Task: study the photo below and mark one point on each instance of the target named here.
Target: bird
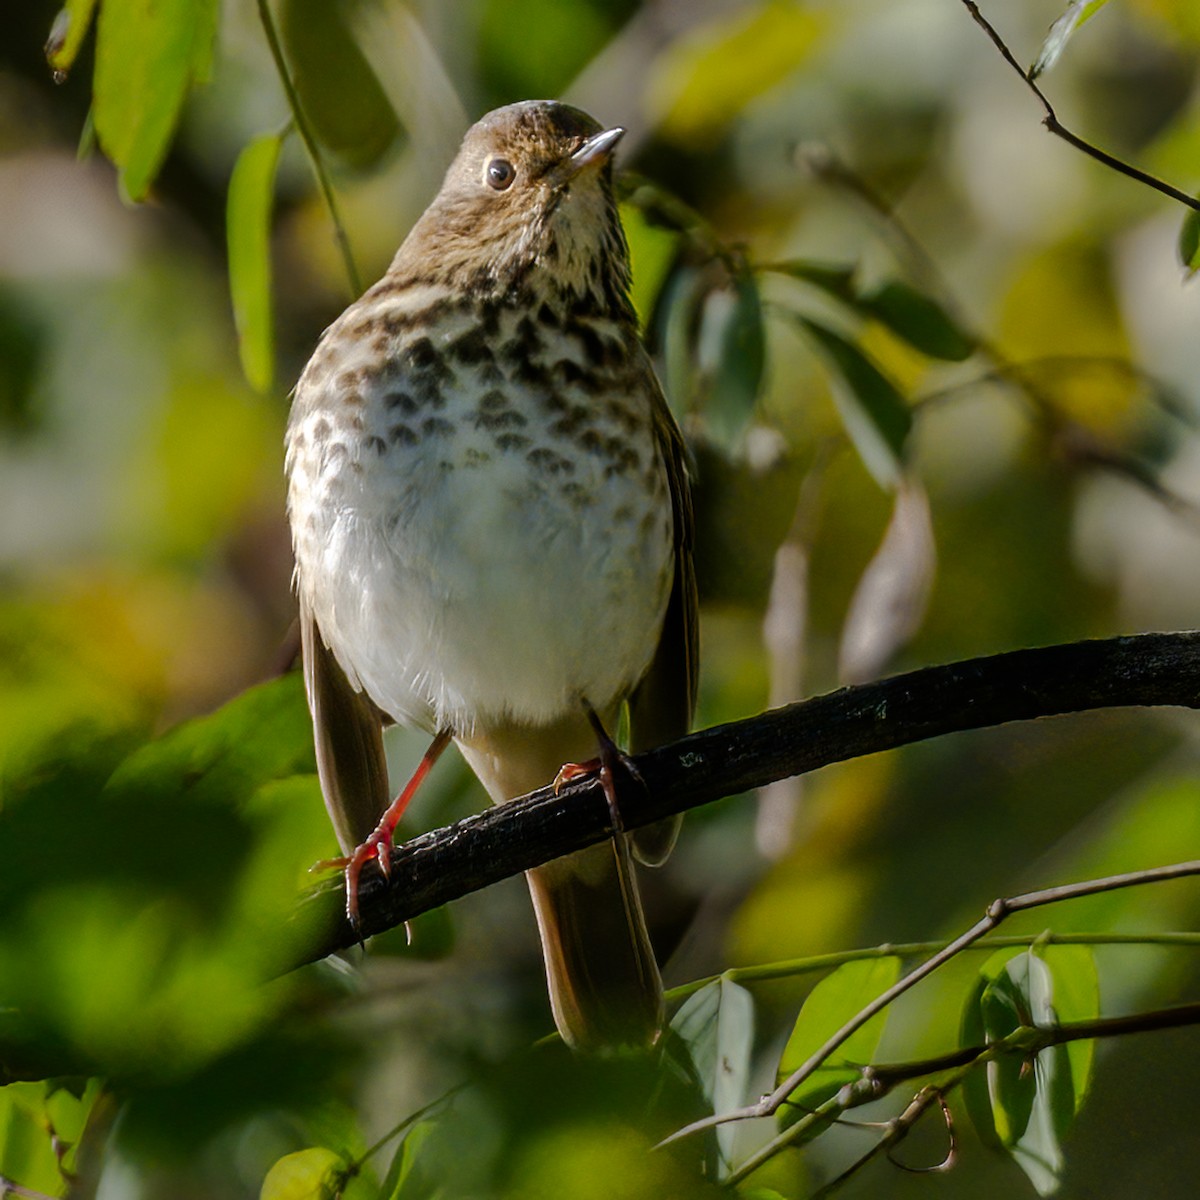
(491, 518)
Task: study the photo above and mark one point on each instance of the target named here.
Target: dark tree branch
(1143, 670)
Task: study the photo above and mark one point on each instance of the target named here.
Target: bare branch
(1056, 127)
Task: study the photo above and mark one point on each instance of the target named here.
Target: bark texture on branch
(1149, 669)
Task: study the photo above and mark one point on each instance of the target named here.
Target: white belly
(459, 582)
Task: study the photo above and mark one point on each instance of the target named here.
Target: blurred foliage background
(941, 375)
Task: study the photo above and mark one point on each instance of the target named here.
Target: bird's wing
(660, 709)
(348, 732)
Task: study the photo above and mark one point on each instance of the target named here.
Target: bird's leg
(379, 841)
(611, 760)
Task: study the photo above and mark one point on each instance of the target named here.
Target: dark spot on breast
(422, 355)
(400, 402)
(571, 422)
(508, 419)
(568, 371)
(591, 441)
(530, 372)
(476, 457)
(512, 441)
(470, 347)
(321, 430)
(576, 493)
(545, 459)
(490, 373)
(595, 350)
(402, 435)
(436, 427)
(493, 401)
(350, 382)
(549, 316)
(489, 318)
(377, 444)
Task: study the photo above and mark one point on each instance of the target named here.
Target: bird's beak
(594, 152)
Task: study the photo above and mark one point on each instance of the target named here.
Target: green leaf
(260, 736)
(704, 81)
(651, 251)
(911, 315)
(1189, 242)
(339, 90)
(840, 996)
(248, 233)
(310, 1174)
(406, 1180)
(834, 278)
(741, 352)
(872, 409)
(148, 53)
(717, 1023)
(1078, 13)
(26, 1139)
(1026, 1107)
(920, 321)
(66, 35)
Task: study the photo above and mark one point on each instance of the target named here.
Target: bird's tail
(605, 990)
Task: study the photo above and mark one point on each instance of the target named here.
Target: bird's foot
(611, 762)
(378, 844)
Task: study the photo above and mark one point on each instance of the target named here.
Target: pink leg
(379, 843)
(610, 761)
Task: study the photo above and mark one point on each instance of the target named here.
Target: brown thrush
(492, 528)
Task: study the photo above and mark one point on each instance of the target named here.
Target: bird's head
(529, 194)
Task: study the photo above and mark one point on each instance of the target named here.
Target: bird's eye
(500, 174)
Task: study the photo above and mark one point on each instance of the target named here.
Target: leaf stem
(310, 145)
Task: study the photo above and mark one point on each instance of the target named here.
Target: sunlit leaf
(889, 602)
(66, 36)
(339, 91)
(705, 80)
(1021, 1106)
(1078, 12)
(248, 234)
(26, 1139)
(872, 409)
(148, 53)
(834, 1001)
(1189, 241)
(717, 1023)
(1076, 998)
(651, 250)
(311, 1174)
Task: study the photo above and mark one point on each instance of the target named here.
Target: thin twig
(794, 967)
(1055, 126)
(997, 912)
(310, 145)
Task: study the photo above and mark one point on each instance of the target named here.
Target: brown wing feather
(660, 710)
(348, 732)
